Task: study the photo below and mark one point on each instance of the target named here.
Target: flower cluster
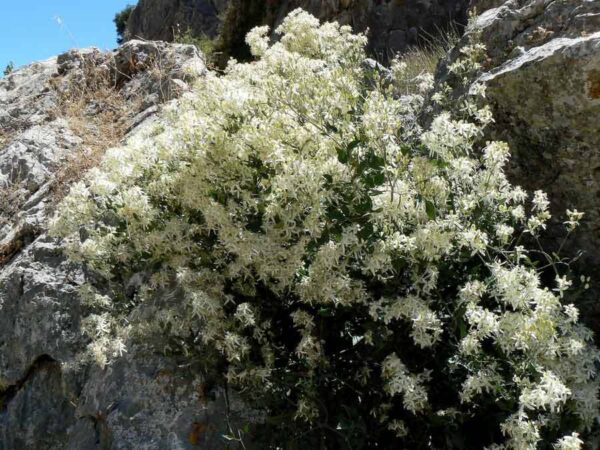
(346, 263)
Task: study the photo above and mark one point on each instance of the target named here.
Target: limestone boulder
(50, 398)
(543, 84)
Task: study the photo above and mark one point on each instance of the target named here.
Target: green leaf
(430, 209)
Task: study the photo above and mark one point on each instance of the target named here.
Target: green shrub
(120, 21)
(205, 44)
(362, 279)
(10, 67)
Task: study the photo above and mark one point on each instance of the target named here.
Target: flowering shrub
(362, 278)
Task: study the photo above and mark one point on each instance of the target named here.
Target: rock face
(394, 24)
(543, 83)
(159, 19)
(48, 399)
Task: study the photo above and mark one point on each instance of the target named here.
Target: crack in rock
(41, 363)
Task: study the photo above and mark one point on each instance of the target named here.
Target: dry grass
(12, 198)
(4, 138)
(97, 113)
(97, 110)
(424, 58)
(20, 236)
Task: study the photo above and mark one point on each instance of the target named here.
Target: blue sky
(31, 29)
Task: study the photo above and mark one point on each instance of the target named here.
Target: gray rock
(24, 96)
(35, 137)
(160, 19)
(49, 399)
(37, 413)
(152, 67)
(392, 25)
(543, 83)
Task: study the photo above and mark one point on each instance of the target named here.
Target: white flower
(549, 392)
(472, 291)
(540, 201)
(258, 40)
(495, 154)
(470, 344)
(562, 285)
(426, 326)
(477, 89)
(504, 232)
(475, 239)
(518, 212)
(570, 442)
(483, 322)
(398, 427)
(522, 432)
(245, 314)
(399, 381)
(306, 410)
(484, 381)
(574, 217)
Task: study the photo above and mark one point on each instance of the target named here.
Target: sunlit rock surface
(48, 400)
(543, 83)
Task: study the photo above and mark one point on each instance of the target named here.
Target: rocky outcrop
(160, 19)
(393, 25)
(543, 83)
(543, 79)
(52, 115)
